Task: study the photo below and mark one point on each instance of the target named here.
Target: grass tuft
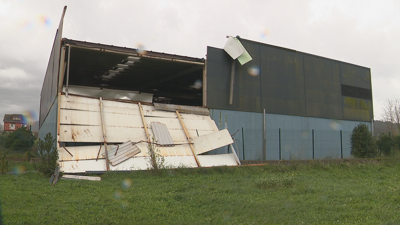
(275, 181)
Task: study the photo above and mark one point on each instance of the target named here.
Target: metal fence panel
(246, 128)
(327, 144)
(296, 144)
(287, 137)
(272, 144)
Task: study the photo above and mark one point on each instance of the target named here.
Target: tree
(20, 140)
(363, 145)
(391, 114)
(48, 155)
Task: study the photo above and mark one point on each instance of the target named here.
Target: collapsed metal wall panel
(81, 130)
(80, 121)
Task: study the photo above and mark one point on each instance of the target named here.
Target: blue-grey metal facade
(287, 137)
(50, 123)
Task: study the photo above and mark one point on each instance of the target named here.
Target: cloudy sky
(365, 33)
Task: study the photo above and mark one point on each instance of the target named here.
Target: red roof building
(12, 122)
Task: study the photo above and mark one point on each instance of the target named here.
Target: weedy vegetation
(156, 161)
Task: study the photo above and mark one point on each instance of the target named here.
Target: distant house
(12, 122)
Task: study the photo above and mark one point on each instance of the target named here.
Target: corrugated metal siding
(161, 134)
(118, 154)
(323, 90)
(282, 81)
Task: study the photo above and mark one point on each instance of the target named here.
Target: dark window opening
(356, 92)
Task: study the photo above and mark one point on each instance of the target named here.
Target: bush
(48, 155)
(3, 161)
(396, 142)
(363, 145)
(28, 155)
(20, 140)
(385, 144)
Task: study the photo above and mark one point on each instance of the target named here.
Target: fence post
(313, 150)
(264, 139)
(280, 151)
(244, 158)
(341, 144)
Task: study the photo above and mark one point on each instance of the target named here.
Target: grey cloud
(339, 30)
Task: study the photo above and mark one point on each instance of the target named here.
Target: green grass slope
(360, 193)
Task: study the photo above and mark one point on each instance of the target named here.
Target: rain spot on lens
(44, 20)
(254, 71)
(264, 33)
(118, 194)
(197, 84)
(17, 170)
(124, 204)
(141, 49)
(126, 183)
(335, 125)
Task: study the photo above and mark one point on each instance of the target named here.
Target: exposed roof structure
(106, 66)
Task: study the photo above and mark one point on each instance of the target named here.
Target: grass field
(346, 193)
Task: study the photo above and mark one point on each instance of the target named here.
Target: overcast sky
(365, 33)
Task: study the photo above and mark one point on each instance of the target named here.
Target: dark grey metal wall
(289, 83)
(50, 83)
(49, 89)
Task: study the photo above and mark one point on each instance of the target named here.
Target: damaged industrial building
(245, 101)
